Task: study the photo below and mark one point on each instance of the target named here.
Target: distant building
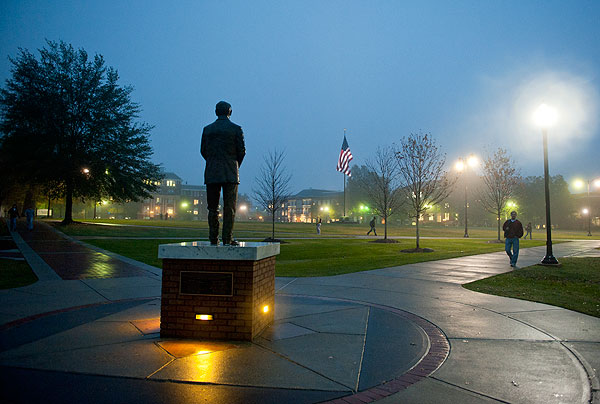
(193, 201)
(182, 201)
(175, 199)
(310, 204)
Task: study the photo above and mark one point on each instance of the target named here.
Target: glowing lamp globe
(545, 116)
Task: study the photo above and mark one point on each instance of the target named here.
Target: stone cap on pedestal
(203, 250)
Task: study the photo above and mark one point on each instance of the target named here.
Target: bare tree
(421, 170)
(381, 184)
(500, 179)
(272, 185)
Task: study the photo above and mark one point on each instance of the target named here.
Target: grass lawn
(324, 257)
(85, 229)
(575, 285)
(173, 228)
(14, 274)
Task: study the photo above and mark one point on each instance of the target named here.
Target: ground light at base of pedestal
(204, 317)
(203, 352)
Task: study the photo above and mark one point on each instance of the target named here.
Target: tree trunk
(418, 215)
(498, 220)
(69, 203)
(273, 229)
(29, 198)
(385, 219)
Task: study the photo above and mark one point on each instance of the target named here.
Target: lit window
(157, 200)
(170, 211)
(170, 183)
(195, 212)
(195, 201)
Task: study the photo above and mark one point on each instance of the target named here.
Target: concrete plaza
(88, 332)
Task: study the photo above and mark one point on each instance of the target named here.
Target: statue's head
(223, 109)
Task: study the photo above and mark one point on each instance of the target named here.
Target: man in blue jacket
(223, 149)
(513, 231)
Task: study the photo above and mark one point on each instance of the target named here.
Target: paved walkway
(400, 334)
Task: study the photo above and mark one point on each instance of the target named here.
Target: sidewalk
(400, 334)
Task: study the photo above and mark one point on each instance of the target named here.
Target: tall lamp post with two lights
(462, 165)
(545, 117)
(588, 210)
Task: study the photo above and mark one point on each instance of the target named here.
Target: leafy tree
(532, 204)
(421, 169)
(67, 124)
(501, 179)
(355, 192)
(381, 184)
(272, 185)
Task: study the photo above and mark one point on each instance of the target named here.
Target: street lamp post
(545, 117)
(460, 167)
(586, 211)
(579, 184)
(589, 212)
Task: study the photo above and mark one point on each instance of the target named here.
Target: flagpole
(344, 178)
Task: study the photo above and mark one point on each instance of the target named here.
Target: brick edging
(439, 349)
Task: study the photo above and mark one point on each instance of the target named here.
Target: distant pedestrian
(528, 230)
(29, 214)
(319, 226)
(372, 224)
(13, 214)
(513, 231)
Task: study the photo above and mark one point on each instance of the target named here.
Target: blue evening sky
(298, 72)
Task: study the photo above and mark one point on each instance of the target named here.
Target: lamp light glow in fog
(545, 116)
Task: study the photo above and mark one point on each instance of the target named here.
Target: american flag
(343, 164)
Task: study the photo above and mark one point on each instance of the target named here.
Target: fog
(505, 119)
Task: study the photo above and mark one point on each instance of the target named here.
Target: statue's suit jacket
(223, 149)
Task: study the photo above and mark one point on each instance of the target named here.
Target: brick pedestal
(237, 311)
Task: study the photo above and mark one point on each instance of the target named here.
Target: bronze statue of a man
(223, 149)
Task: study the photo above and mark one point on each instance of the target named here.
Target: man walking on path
(13, 215)
(513, 231)
(372, 224)
(223, 148)
(528, 230)
(29, 214)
